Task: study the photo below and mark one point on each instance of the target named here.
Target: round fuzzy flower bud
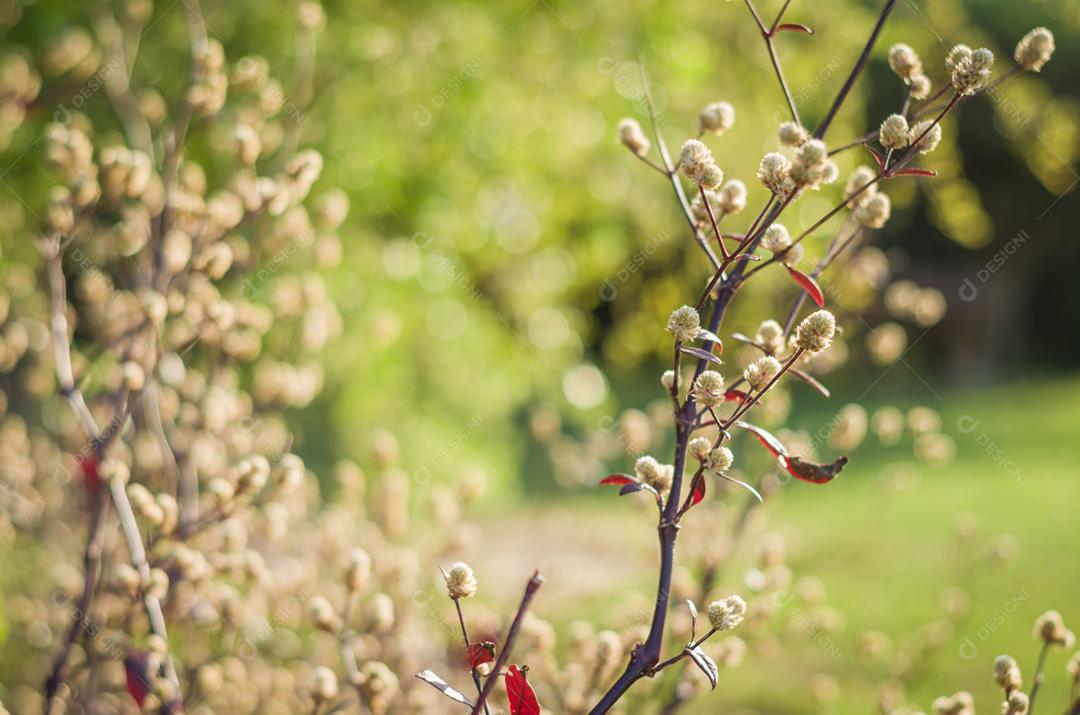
(1017, 704)
(668, 379)
(969, 70)
(732, 196)
(929, 142)
(770, 336)
(1034, 49)
(859, 186)
(894, 132)
(717, 117)
(358, 572)
(1051, 628)
(875, 212)
(961, 703)
(651, 472)
(460, 580)
(708, 389)
(761, 371)
(697, 163)
(323, 615)
(710, 177)
(721, 459)
(684, 323)
(776, 238)
(919, 87)
(632, 137)
(699, 447)
(726, 614)
(904, 61)
(773, 173)
(324, 684)
(1007, 673)
(816, 331)
(792, 135)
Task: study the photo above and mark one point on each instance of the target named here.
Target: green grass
(885, 557)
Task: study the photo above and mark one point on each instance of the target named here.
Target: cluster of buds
(969, 69)
(907, 65)
(656, 475)
(727, 613)
(698, 164)
(816, 331)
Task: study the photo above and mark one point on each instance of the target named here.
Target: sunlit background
(506, 268)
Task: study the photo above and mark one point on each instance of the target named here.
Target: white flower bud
(668, 379)
(1017, 704)
(904, 61)
(1007, 673)
(792, 135)
(776, 238)
(632, 137)
(727, 613)
(875, 211)
(460, 580)
(929, 142)
(816, 331)
(708, 390)
(1035, 49)
(323, 615)
(773, 173)
(699, 448)
(651, 472)
(721, 459)
(324, 684)
(860, 178)
(717, 117)
(732, 198)
(894, 132)
(684, 323)
(919, 87)
(969, 70)
(761, 371)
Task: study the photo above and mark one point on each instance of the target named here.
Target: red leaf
(815, 473)
(520, 694)
(137, 669)
(877, 157)
(480, 653)
(913, 172)
(766, 438)
(89, 466)
(810, 380)
(698, 490)
(794, 27)
(733, 395)
(809, 285)
(619, 479)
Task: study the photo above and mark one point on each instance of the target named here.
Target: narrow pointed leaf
(742, 484)
(766, 438)
(706, 664)
(704, 334)
(815, 473)
(480, 653)
(794, 27)
(913, 172)
(877, 157)
(809, 285)
(639, 487)
(693, 619)
(519, 693)
(810, 380)
(619, 479)
(703, 354)
(693, 608)
(445, 688)
(743, 338)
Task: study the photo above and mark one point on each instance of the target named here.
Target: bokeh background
(507, 267)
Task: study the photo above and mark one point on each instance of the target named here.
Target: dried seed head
(708, 389)
(776, 238)
(1017, 704)
(684, 323)
(816, 331)
(930, 141)
(651, 472)
(969, 70)
(632, 137)
(1034, 49)
(460, 580)
(770, 336)
(721, 459)
(668, 379)
(875, 212)
(699, 448)
(717, 117)
(773, 173)
(727, 613)
(1007, 673)
(761, 371)
(894, 132)
(904, 61)
(1050, 627)
(792, 135)
(732, 196)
